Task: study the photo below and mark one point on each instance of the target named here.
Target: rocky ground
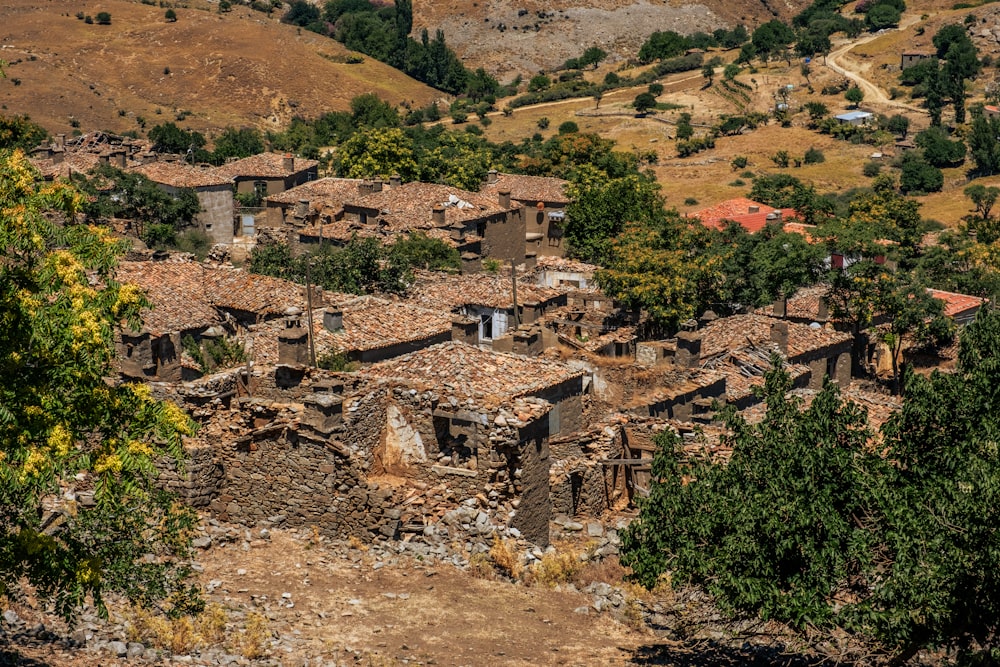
(460, 594)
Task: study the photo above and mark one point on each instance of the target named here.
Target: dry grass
(251, 641)
(178, 635)
(505, 558)
(554, 568)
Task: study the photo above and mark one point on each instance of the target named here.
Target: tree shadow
(11, 658)
(714, 654)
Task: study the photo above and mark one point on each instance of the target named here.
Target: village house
(362, 329)
(751, 216)
(856, 118)
(481, 227)
(268, 173)
(911, 58)
(316, 202)
(544, 200)
(215, 194)
(962, 308)
(197, 300)
(486, 299)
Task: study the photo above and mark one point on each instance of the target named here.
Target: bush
(781, 159)
(543, 123)
(919, 177)
(690, 201)
(568, 127)
(738, 183)
(813, 156)
(103, 18)
(171, 15)
(871, 169)
(739, 162)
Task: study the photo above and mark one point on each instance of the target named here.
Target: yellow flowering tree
(79, 513)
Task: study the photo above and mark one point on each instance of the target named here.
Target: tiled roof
(804, 304)
(436, 290)
(731, 333)
(327, 192)
(738, 210)
(181, 175)
(264, 165)
(956, 304)
(410, 205)
(73, 161)
(528, 188)
(370, 323)
(485, 376)
(344, 230)
(553, 263)
(185, 295)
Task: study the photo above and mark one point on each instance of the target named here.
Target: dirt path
(840, 61)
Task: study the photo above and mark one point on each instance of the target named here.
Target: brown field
(240, 68)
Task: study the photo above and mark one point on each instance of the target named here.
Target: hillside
(510, 37)
(240, 68)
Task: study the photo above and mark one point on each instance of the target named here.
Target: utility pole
(309, 315)
(513, 289)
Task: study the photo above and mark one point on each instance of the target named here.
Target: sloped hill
(240, 68)
(508, 37)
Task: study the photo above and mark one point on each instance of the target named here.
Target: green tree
(103, 18)
(708, 73)
(370, 110)
(771, 39)
(538, 83)
(898, 124)
(240, 143)
(960, 63)
(786, 191)
(600, 207)
(882, 16)
(171, 16)
(67, 430)
(919, 176)
(378, 152)
(854, 95)
(939, 150)
(983, 198)
(20, 132)
(643, 102)
(983, 144)
(419, 251)
(169, 138)
(592, 57)
(684, 128)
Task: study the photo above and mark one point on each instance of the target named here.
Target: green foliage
(169, 138)
(422, 252)
(335, 361)
(785, 191)
(568, 127)
(918, 176)
(643, 102)
(939, 150)
(780, 159)
(20, 132)
(771, 40)
(854, 95)
(103, 18)
(543, 123)
(983, 145)
(61, 422)
(871, 169)
(538, 83)
(377, 152)
(882, 16)
(238, 144)
(813, 156)
(214, 353)
(170, 16)
(898, 124)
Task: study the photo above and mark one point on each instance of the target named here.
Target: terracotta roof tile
(957, 304)
(740, 211)
(330, 193)
(73, 161)
(731, 333)
(410, 206)
(186, 295)
(528, 188)
(264, 165)
(436, 290)
(370, 323)
(485, 376)
(181, 175)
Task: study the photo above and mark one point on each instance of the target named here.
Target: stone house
(481, 227)
(544, 200)
(215, 194)
(268, 173)
(197, 300)
(911, 58)
(363, 329)
(962, 308)
(486, 299)
(316, 202)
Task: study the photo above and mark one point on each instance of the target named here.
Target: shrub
(738, 183)
(543, 123)
(813, 156)
(739, 162)
(171, 15)
(781, 159)
(871, 169)
(88, 20)
(103, 18)
(690, 201)
(568, 127)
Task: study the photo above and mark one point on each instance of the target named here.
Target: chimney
(688, 354)
(376, 186)
(364, 188)
(753, 209)
(333, 319)
(457, 232)
(302, 209)
(395, 181)
(437, 216)
(781, 306)
(779, 335)
(823, 312)
(504, 198)
(61, 140)
(491, 176)
(465, 330)
(293, 340)
(118, 158)
(288, 163)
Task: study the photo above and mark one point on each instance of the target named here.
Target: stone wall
(196, 480)
(216, 216)
(503, 236)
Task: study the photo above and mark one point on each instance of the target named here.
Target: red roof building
(748, 214)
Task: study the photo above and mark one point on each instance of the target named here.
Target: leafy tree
(983, 145)
(730, 71)
(593, 57)
(369, 110)
(854, 95)
(883, 213)
(684, 128)
(960, 63)
(983, 198)
(169, 138)
(786, 191)
(66, 430)
(600, 207)
(771, 39)
(237, 143)
(898, 124)
(662, 45)
(378, 152)
(538, 83)
(817, 110)
(20, 132)
(644, 102)
(568, 127)
(813, 156)
(708, 73)
(939, 150)
(103, 18)
(919, 176)
(650, 266)
(171, 16)
(420, 251)
(882, 16)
